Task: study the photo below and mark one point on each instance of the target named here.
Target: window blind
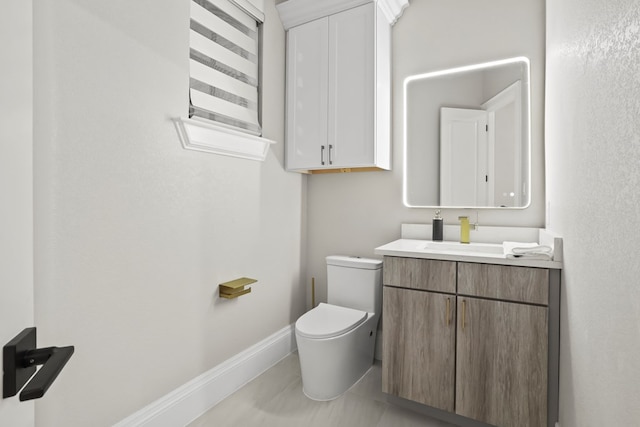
(224, 65)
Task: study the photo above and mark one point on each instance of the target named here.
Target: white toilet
(336, 341)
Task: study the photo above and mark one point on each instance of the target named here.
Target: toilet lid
(328, 320)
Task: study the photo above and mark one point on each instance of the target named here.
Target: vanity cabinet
(338, 92)
(477, 344)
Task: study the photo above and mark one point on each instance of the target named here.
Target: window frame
(202, 134)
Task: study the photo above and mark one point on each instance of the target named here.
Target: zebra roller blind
(224, 65)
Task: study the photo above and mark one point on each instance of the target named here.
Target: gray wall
(593, 182)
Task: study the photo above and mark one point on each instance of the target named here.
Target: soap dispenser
(437, 227)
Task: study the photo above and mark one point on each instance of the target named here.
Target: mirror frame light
(459, 70)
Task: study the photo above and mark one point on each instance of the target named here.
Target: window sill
(210, 138)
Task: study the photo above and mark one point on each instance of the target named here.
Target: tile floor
(275, 399)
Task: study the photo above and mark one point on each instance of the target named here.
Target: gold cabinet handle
(448, 310)
(464, 314)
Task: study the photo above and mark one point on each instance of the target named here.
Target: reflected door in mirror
(463, 157)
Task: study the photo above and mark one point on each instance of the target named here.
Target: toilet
(336, 341)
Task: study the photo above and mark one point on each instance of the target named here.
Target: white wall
(16, 187)
(593, 189)
(133, 233)
(354, 213)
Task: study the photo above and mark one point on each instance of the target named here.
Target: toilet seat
(326, 321)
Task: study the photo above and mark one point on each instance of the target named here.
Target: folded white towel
(527, 250)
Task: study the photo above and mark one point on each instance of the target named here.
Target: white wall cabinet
(338, 92)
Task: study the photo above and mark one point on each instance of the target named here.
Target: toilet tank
(354, 283)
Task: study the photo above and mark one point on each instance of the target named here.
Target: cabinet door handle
(322, 155)
(330, 148)
(464, 314)
(448, 310)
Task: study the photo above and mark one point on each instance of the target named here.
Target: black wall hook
(20, 358)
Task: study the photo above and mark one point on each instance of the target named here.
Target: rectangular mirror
(467, 136)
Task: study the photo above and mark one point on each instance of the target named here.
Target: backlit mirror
(467, 136)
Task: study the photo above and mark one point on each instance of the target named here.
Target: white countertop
(486, 253)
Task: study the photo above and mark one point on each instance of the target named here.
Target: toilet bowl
(336, 341)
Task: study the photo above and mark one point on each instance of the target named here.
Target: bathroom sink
(466, 248)
(442, 250)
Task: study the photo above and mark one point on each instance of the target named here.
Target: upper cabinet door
(307, 89)
(338, 92)
(351, 87)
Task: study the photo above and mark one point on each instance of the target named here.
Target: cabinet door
(351, 87)
(501, 363)
(418, 351)
(307, 88)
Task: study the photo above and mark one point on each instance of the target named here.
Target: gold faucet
(465, 227)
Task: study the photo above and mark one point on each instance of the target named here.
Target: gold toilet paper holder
(235, 288)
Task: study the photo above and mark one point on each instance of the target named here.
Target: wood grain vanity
(478, 340)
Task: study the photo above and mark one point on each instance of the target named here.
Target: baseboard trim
(194, 398)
